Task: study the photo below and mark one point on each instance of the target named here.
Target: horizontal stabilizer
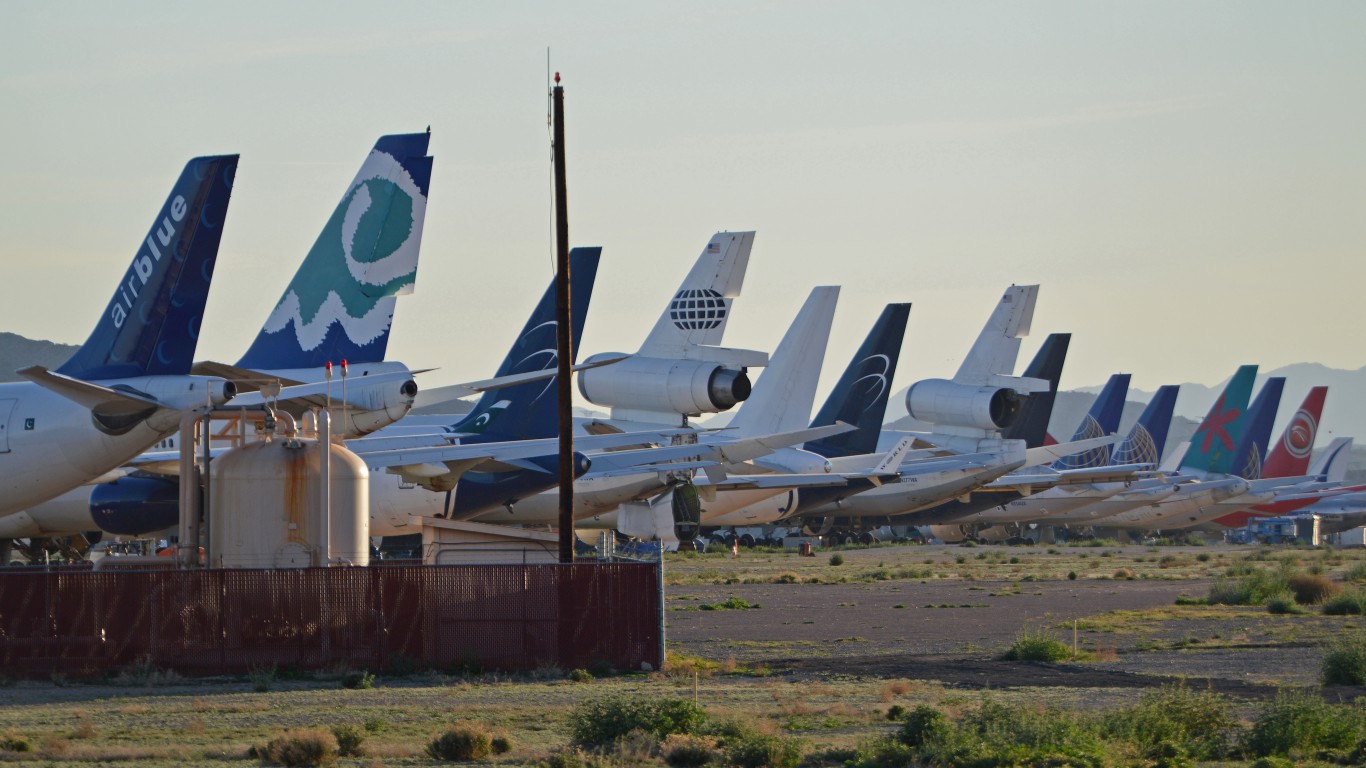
(1049, 453)
(91, 396)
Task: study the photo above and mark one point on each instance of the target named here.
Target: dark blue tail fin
(340, 304)
(860, 396)
(1101, 420)
(1148, 438)
(1032, 425)
(530, 411)
(1252, 446)
(151, 325)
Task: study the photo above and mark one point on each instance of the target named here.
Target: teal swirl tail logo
(341, 302)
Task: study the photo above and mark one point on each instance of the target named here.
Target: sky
(1185, 180)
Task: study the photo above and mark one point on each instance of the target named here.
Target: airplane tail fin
(151, 325)
(1147, 439)
(1332, 464)
(782, 398)
(340, 304)
(860, 396)
(998, 345)
(1214, 442)
(698, 313)
(1032, 425)
(530, 411)
(1290, 457)
(1101, 420)
(1247, 460)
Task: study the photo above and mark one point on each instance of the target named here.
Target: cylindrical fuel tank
(265, 512)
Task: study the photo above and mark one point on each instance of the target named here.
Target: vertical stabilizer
(860, 396)
(1147, 439)
(699, 311)
(151, 325)
(1247, 460)
(1332, 464)
(530, 411)
(998, 345)
(786, 391)
(1032, 426)
(1101, 420)
(1213, 444)
(340, 304)
(1290, 457)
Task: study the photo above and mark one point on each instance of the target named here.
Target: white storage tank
(265, 507)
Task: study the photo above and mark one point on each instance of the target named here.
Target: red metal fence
(231, 621)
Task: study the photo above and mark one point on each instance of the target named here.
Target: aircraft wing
(731, 452)
(772, 481)
(1048, 454)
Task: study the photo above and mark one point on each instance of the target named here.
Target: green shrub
(682, 750)
(601, 721)
(1357, 573)
(573, 758)
(1197, 724)
(1350, 602)
(581, 676)
(15, 744)
(883, 753)
(462, 742)
(261, 678)
(1001, 735)
(1303, 723)
(765, 751)
(1310, 588)
(923, 725)
(1252, 586)
(896, 712)
(1283, 605)
(358, 680)
(302, 748)
(501, 744)
(1344, 661)
(1036, 645)
(837, 559)
(350, 740)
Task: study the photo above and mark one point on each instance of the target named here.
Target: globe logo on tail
(698, 309)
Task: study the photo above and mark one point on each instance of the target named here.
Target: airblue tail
(860, 396)
(151, 325)
(1247, 460)
(1101, 420)
(340, 304)
(1215, 441)
(1147, 439)
(1032, 425)
(530, 411)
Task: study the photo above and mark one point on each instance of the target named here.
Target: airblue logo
(698, 309)
(145, 264)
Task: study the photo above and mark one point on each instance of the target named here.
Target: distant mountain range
(18, 352)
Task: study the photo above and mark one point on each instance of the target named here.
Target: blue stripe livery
(1148, 438)
(151, 325)
(1101, 420)
(1251, 452)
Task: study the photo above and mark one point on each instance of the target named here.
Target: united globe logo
(698, 309)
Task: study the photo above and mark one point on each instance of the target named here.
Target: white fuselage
(50, 444)
(1185, 504)
(1058, 500)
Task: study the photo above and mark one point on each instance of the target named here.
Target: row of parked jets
(92, 445)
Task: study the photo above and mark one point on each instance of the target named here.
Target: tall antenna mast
(563, 337)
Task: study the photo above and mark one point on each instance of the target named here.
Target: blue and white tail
(1101, 420)
(530, 411)
(151, 325)
(340, 304)
(699, 311)
(1147, 439)
(1252, 447)
(860, 396)
(1032, 426)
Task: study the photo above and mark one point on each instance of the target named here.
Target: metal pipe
(187, 548)
(325, 488)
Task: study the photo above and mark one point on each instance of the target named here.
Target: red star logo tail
(1216, 426)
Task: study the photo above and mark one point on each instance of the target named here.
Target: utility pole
(563, 347)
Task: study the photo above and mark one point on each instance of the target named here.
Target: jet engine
(945, 403)
(135, 505)
(685, 387)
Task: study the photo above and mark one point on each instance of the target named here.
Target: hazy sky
(1186, 180)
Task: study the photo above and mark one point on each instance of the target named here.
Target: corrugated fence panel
(80, 622)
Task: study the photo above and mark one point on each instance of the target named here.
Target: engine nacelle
(945, 403)
(685, 387)
(135, 505)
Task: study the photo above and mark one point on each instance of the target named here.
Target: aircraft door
(6, 408)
